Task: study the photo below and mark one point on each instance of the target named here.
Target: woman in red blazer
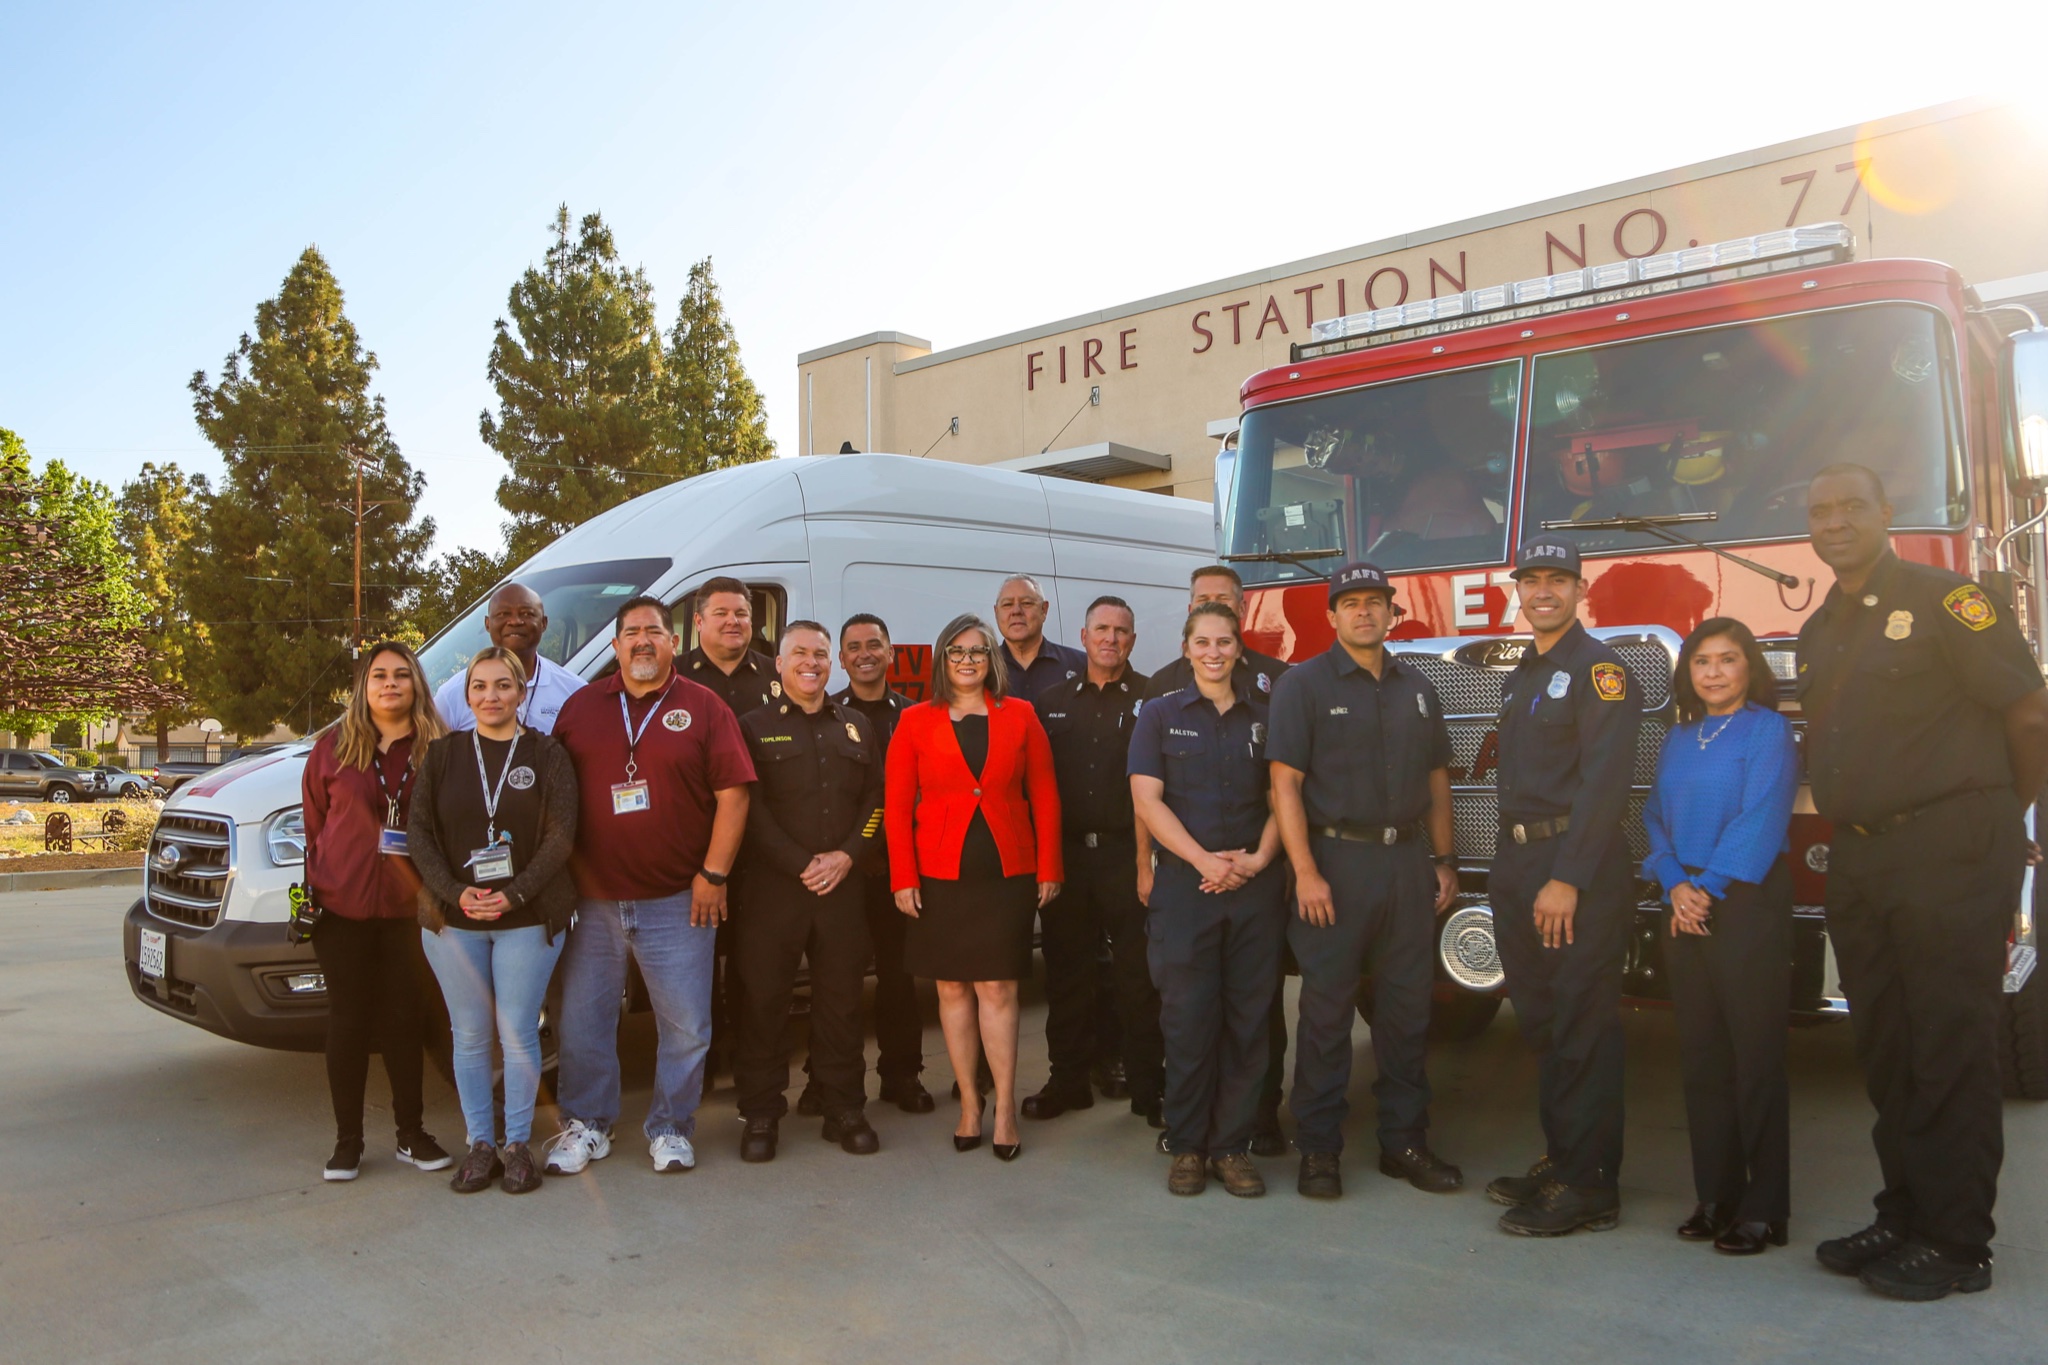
(973, 822)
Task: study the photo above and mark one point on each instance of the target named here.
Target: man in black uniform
(1260, 674)
(1361, 760)
(814, 827)
(1927, 738)
(1089, 722)
(866, 655)
(1034, 664)
(1563, 886)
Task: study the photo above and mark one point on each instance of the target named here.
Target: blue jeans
(676, 960)
(494, 976)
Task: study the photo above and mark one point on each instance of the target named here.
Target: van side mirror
(2026, 392)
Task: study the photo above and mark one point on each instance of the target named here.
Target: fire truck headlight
(1468, 951)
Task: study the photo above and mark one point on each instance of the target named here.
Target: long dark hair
(1763, 684)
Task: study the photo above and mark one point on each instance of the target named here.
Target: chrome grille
(191, 857)
(1463, 690)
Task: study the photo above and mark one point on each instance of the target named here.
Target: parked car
(175, 773)
(120, 784)
(31, 775)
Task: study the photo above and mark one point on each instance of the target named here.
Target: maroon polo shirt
(344, 811)
(691, 749)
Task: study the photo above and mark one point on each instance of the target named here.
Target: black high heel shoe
(969, 1143)
(1006, 1151)
(1749, 1239)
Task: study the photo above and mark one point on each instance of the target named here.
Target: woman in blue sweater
(1716, 819)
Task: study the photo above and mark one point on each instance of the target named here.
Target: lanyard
(492, 794)
(633, 735)
(391, 803)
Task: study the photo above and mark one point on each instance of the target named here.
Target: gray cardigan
(544, 882)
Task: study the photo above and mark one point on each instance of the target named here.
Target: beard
(643, 668)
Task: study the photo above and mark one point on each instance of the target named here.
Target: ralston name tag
(628, 797)
(392, 841)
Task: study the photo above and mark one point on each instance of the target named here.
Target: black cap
(1547, 552)
(1356, 575)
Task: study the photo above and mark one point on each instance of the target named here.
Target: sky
(952, 171)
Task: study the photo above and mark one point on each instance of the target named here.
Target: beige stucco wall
(1966, 184)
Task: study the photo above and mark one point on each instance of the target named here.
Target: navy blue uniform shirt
(1568, 722)
(818, 786)
(750, 686)
(1261, 672)
(1054, 665)
(1213, 765)
(1090, 729)
(1905, 686)
(1367, 744)
(884, 712)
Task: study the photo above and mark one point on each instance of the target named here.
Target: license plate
(155, 954)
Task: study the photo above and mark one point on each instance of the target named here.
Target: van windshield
(580, 601)
(1411, 474)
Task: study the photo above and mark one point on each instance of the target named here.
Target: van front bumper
(238, 979)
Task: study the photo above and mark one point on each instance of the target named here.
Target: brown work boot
(1238, 1175)
(1186, 1175)
(1321, 1177)
(1423, 1169)
(1517, 1190)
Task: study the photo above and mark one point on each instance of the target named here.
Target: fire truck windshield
(1732, 421)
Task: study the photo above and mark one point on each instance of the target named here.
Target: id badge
(628, 797)
(391, 841)
(493, 864)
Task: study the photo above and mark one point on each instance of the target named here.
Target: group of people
(1182, 841)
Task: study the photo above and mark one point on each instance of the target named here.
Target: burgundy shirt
(691, 749)
(344, 812)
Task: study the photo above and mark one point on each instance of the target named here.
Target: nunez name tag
(628, 797)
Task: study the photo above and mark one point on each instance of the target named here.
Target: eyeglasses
(960, 654)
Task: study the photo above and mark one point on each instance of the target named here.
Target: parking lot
(164, 1201)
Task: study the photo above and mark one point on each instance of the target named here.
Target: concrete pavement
(163, 1201)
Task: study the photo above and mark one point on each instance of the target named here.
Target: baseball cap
(1547, 552)
(1359, 574)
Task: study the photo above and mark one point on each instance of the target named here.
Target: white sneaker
(575, 1147)
(672, 1152)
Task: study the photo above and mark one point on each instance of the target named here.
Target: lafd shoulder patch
(1610, 682)
(1969, 605)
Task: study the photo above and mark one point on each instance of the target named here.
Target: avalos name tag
(628, 797)
(392, 841)
(493, 864)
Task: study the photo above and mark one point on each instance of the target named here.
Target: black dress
(977, 928)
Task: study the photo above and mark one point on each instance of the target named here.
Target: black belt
(1892, 822)
(1534, 831)
(1100, 838)
(1368, 834)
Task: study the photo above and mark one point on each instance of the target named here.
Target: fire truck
(1666, 412)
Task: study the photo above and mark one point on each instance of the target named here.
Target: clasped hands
(1690, 908)
(1229, 870)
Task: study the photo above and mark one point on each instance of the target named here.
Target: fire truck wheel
(2023, 1039)
(1459, 1019)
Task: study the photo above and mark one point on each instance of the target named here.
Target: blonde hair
(355, 742)
(496, 654)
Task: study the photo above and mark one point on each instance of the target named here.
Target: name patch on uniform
(1969, 605)
(1610, 682)
(1899, 625)
(1560, 683)
(520, 778)
(778, 739)
(1340, 710)
(677, 720)
(1186, 734)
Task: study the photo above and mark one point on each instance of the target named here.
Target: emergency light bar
(1687, 268)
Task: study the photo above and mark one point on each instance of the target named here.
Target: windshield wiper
(1659, 526)
(1294, 557)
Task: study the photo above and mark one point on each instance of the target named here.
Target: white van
(914, 541)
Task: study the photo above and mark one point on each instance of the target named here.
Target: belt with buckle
(1892, 822)
(1533, 831)
(1368, 834)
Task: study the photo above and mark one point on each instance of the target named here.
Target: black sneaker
(346, 1161)
(1848, 1255)
(522, 1172)
(1517, 1190)
(419, 1149)
(478, 1169)
(1918, 1273)
(1560, 1209)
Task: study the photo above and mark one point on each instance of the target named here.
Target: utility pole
(355, 635)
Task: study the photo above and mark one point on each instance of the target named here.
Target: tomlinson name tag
(392, 841)
(493, 864)
(628, 797)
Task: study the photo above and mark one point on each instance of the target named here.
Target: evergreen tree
(577, 371)
(455, 582)
(159, 516)
(271, 575)
(713, 411)
(70, 614)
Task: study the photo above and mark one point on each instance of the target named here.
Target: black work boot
(1920, 1273)
(1559, 1209)
(853, 1133)
(1423, 1169)
(757, 1143)
(1321, 1176)
(1848, 1255)
(1057, 1099)
(1516, 1190)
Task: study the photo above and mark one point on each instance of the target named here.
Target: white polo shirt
(552, 685)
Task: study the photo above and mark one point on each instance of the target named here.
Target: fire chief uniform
(818, 790)
(1904, 686)
(1367, 747)
(1090, 731)
(1568, 726)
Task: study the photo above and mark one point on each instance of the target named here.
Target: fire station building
(1141, 393)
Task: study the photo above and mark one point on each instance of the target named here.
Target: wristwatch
(715, 878)
(1444, 859)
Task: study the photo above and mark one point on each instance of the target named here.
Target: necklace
(1705, 739)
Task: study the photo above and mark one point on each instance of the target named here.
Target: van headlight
(285, 835)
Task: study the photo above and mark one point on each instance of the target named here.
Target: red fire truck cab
(1666, 412)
